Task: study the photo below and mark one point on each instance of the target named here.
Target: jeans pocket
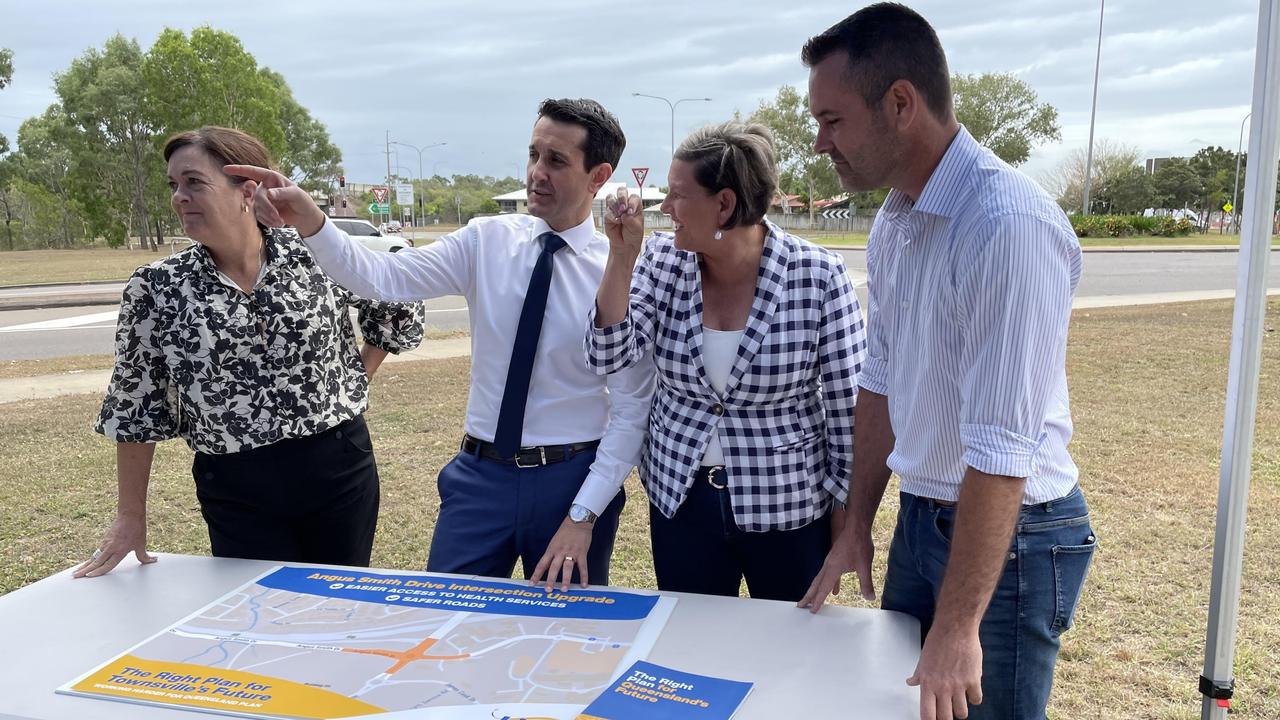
(943, 524)
(1070, 565)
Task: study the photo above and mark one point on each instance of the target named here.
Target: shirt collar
(943, 194)
(271, 240)
(577, 237)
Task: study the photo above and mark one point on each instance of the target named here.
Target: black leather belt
(529, 456)
(715, 475)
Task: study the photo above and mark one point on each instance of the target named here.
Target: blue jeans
(1033, 603)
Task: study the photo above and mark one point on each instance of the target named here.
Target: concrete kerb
(60, 301)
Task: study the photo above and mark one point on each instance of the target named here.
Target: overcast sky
(1176, 74)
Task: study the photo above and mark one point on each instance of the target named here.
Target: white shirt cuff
(596, 493)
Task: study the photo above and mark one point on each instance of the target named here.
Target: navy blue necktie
(516, 394)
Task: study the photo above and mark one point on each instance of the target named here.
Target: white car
(363, 232)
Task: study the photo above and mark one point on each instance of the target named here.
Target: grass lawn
(1148, 388)
(29, 368)
(1211, 239)
(29, 267)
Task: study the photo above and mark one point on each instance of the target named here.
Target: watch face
(577, 513)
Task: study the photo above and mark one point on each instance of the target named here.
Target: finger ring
(568, 558)
(96, 554)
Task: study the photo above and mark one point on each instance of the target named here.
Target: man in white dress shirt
(547, 442)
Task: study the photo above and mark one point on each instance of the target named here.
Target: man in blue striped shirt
(971, 270)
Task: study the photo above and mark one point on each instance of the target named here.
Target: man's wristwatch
(580, 514)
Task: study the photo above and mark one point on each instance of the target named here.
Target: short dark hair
(739, 157)
(227, 146)
(605, 141)
(887, 42)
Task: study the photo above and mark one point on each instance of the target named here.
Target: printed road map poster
(333, 643)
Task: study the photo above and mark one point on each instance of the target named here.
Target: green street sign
(376, 209)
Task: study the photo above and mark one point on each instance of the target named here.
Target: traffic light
(342, 181)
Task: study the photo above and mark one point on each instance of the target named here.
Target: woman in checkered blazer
(757, 338)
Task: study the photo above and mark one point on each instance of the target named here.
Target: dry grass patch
(1148, 387)
(56, 366)
(29, 267)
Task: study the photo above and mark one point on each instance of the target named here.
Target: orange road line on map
(413, 654)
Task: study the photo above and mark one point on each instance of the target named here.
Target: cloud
(471, 74)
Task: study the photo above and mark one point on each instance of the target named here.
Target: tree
(6, 67)
(44, 163)
(209, 79)
(1127, 192)
(1002, 113)
(1216, 169)
(97, 150)
(9, 199)
(1066, 181)
(794, 131)
(1177, 184)
(112, 140)
(6, 164)
(6, 76)
(1241, 196)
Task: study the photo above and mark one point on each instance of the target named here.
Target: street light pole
(387, 148)
(420, 178)
(671, 105)
(1093, 114)
(1235, 194)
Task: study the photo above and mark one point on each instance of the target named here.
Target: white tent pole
(1218, 681)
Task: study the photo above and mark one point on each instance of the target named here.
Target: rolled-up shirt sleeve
(1014, 306)
(874, 375)
(841, 350)
(620, 346)
(394, 327)
(141, 405)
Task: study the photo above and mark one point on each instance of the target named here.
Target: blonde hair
(735, 156)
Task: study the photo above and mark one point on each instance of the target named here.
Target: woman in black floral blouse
(243, 347)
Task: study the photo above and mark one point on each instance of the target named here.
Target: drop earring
(718, 235)
(244, 209)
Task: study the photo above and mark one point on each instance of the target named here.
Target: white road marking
(75, 321)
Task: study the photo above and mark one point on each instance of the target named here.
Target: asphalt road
(88, 329)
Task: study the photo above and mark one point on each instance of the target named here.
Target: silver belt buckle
(542, 454)
(711, 475)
